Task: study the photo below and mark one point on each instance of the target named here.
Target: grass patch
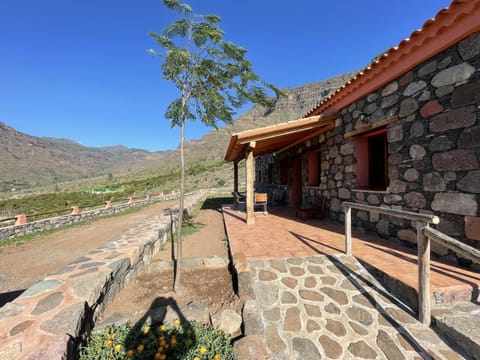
(189, 341)
(189, 227)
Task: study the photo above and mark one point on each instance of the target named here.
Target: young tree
(213, 78)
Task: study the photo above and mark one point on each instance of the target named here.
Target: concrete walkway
(330, 307)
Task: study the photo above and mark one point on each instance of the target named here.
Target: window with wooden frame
(371, 156)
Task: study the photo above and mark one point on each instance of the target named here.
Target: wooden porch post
(250, 179)
(235, 176)
(423, 243)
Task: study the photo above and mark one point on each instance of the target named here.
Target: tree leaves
(213, 75)
(177, 6)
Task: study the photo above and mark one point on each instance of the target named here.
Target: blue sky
(80, 69)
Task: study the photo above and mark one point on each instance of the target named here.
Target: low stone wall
(46, 319)
(9, 232)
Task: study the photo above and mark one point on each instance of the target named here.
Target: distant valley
(37, 163)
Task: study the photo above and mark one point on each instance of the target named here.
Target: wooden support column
(348, 231)
(423, 244)
(250, 175)
(235, 176)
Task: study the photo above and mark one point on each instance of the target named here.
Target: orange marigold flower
(189, 342)
(161, 327)
(108, 343)
(117, 348)
(158, 356)
(203, 350)
(216, 357)
(130, 353)
(140, 348)
(146, 330)
(177, 323)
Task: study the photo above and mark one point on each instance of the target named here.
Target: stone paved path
(330, 307)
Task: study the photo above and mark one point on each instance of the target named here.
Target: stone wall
(433, 149)
(47, 318)
(9, 232)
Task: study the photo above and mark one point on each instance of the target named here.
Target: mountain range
(30, 162)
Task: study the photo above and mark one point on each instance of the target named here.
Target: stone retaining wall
(9, 232)
(432, 119)
(46, 319)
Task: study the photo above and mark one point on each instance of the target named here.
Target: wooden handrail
(433, 219)
(423, 243)
(463, 249)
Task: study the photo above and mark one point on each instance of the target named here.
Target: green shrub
(190, 341)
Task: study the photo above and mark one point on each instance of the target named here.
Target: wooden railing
(424, 235)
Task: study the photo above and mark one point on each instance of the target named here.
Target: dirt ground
(211, 287)
(49, 253)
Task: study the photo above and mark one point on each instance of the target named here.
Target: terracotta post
(20, 219)
(130, 200)
(108, 204)
(74, 210)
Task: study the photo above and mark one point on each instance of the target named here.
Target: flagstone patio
(279, 234)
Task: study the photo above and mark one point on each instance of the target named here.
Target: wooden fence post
(423, 244)
(348, 231)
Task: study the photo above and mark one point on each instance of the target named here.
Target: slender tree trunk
(178, 275)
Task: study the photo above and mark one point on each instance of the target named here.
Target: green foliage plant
(213, 78)
(189, 341)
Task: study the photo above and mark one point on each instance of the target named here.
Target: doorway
(296, 194)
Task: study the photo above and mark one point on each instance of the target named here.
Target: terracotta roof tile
(450, 25)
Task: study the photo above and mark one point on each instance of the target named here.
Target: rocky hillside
(27, 161)
(297, 102)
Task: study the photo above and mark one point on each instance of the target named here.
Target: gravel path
(23, 265)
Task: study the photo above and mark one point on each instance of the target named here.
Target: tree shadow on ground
(10, 296)
(162, 332)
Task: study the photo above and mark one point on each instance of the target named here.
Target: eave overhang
(276, 138)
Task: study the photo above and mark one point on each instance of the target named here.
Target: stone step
(409, 295)
(454, 316)
(460, 324)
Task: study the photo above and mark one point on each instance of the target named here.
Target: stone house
(404, 133)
